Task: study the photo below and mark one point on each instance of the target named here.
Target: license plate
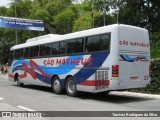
(134, 78)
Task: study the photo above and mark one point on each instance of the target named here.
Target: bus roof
(55, 38)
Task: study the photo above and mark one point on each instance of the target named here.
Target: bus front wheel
(56, 85)
(71, 87)
(19, 83)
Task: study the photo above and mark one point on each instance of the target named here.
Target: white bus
(114, 57)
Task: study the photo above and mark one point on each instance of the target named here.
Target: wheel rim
(71, 86)
(56, 85)
(18, 82)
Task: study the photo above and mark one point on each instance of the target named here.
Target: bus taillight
(115, 70)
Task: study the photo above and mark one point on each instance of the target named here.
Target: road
(36, 98)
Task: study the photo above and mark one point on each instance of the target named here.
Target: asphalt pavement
(36, 98)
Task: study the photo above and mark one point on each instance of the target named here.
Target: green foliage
(155, 53)
(155, 76)
(155, 44)
(64, 16)
(63, 22)
(140, 13)
(3, 11)
(83, 22)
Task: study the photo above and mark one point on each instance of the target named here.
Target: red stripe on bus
(10, 75)
(96, 83)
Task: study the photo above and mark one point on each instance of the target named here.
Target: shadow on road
(111, 98)
(36, 87)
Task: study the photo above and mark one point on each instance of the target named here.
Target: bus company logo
(133, 59)
(133, 44)
(68, 61)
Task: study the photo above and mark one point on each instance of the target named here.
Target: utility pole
(104, 12)
(16, 16)
(93, 14)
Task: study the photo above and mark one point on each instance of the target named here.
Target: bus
(104, 59)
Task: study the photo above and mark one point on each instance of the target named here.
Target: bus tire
(19, 83)
(71, 87)
(56, 85)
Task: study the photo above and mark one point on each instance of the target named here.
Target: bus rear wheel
(71, 87)
(56, 85)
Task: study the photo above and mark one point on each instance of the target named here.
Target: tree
(83, 22)
(63, 22)
(3, 11)
(140, 13)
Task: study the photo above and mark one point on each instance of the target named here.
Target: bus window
(93, 43)
(75, 46)
(42, 50)
(71, 46)
(62, 46)
(55, 48)
(22, 53)
(34, 51)
(105, 42)
(26, 52)
(79, 45)
(17, 53)
(48, 49)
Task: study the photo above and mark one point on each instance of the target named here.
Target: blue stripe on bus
(97, 60)
(59, 70)
(84, 74)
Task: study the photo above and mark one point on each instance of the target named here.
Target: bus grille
(101, 79)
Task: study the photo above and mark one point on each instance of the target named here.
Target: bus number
(146, 77)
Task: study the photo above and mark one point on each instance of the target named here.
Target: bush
(155, 76)
(154, 88)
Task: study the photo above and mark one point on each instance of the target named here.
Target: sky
(4, 2)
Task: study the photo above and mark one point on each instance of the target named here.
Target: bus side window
(71, 46)
(42, 50)
(55, 48)
(22, 53)
(78, 45)
(105, 42)
(26, 52)
(48, 49)
(34, 51)
(92, 43)
(62, 47)
(37, 51)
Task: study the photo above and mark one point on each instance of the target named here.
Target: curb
(144, 95)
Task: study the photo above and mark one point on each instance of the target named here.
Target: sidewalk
(133, 94)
